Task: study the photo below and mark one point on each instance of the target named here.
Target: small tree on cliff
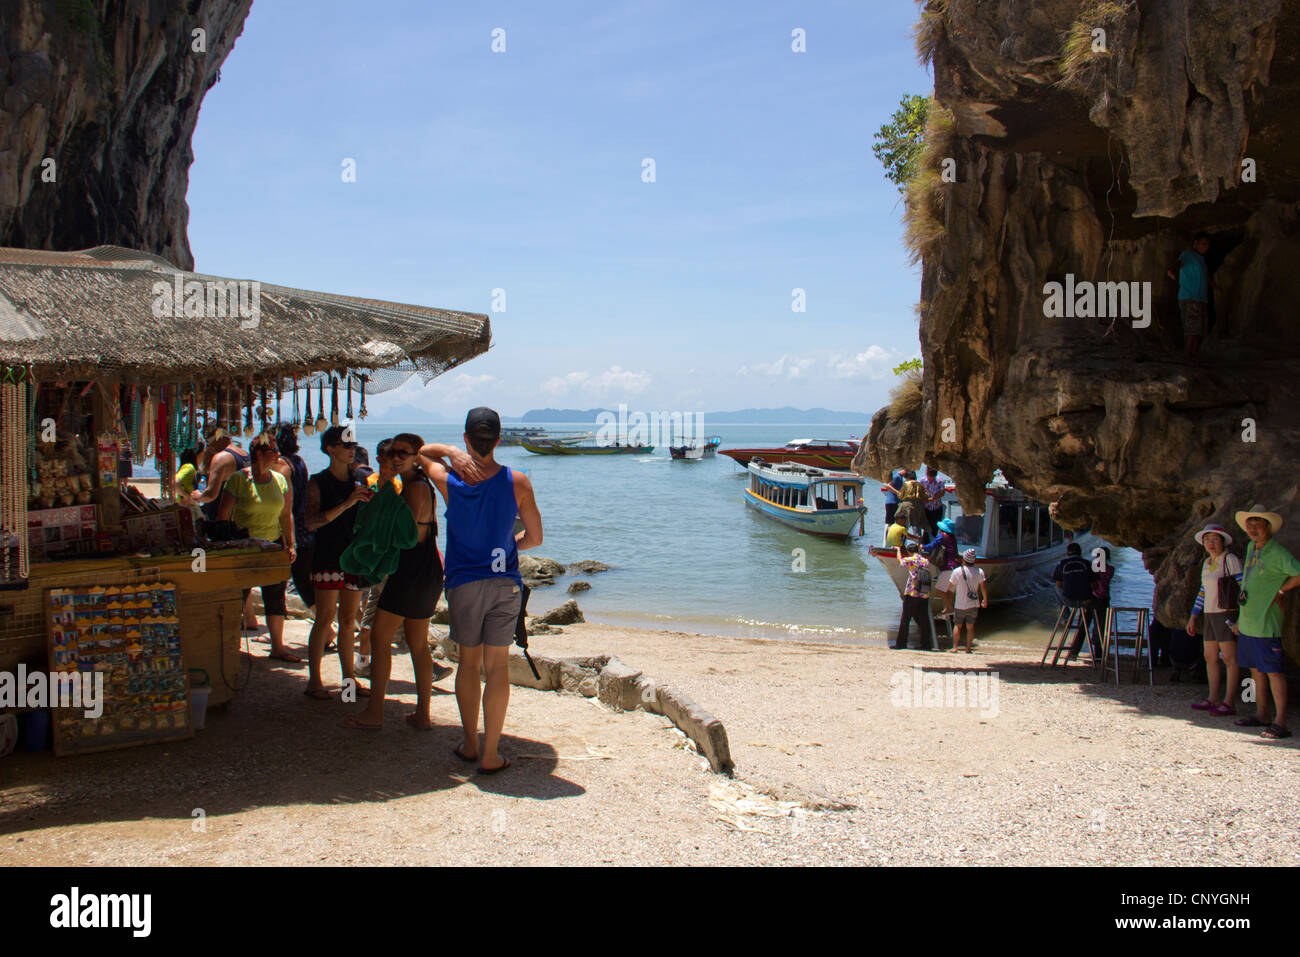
(899, 142)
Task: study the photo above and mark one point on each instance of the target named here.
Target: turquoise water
(688, 555)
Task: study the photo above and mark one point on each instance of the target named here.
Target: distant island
(787, 415)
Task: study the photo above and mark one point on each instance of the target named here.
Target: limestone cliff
(1100, 160)
(110, 91)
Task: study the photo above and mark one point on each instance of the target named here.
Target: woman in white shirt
(1219, 640)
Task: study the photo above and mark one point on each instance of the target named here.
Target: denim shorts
(1260, 654)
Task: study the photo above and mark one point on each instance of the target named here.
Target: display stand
(131, 635)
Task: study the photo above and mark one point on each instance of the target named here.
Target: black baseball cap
(483, 422)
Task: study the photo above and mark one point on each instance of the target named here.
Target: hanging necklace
(321, 423)
(308, 423)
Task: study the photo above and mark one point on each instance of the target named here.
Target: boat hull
(1008, 578)
(556, 449)
(829, 523)
(825, 460)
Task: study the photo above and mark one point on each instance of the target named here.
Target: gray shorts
(965, 616)
(1193, 313)
(1214, 627)
(484, 612)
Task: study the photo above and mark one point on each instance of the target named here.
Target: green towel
(385, 527)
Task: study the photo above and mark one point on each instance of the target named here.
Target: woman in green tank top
(262, 502)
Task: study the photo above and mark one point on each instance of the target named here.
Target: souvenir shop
(102, 569)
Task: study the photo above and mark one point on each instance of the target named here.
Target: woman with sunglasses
(408, 596)
(333, 496)
(262, 502)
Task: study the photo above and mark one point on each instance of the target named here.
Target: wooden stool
(1114, 636)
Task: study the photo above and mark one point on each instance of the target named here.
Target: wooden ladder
(1067, 623)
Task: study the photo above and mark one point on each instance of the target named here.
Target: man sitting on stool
(1074, 579)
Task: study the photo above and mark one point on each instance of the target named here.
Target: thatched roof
(94, 312)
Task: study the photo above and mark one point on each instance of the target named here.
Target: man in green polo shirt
(1270, 571)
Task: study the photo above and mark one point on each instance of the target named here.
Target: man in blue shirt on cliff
(1194, 292)
(484, 590)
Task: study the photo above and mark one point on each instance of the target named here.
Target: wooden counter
(210, 601)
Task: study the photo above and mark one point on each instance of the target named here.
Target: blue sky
(522, 171)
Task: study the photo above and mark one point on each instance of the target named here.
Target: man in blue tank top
(484, 591)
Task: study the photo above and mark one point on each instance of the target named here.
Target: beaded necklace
(13, 468)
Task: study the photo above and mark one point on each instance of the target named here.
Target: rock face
(1101, 164)
(110, 91)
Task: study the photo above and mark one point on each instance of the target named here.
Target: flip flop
(351, 722)
(288, 656)
(1222, 709)
(320, 694)
(464, 757)
(1251, 722)
(411, 720)
(1275, 732)
(505, 764)
(1205, 704)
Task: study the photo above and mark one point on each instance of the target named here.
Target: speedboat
(1017, 543)
(814, 500)
(823, 453)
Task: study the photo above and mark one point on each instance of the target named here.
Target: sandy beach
(829, 769)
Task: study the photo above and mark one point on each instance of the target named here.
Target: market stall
(112, 355)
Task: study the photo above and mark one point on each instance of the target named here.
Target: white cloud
(875, 363)
(790, 367)
(462, 385)
(614, 381)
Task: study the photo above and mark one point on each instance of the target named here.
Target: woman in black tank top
(409, 594)
(333, 498)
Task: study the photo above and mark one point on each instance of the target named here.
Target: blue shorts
(1260, 654)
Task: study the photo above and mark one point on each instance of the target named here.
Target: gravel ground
(830, 769)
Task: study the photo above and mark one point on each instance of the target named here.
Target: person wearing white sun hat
(969, 595)
(1216, 607)
(1270, 572)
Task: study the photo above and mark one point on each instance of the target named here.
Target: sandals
(464, 757)
(505, 763)
(1275, 732)
(1205, 704)
(1222, 709)
(1250, 722)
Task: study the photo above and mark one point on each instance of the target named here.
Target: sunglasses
(399, 454)
(347, 445)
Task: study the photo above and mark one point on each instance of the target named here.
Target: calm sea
(688, 555)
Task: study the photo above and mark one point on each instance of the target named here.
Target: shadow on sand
(272, 746)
